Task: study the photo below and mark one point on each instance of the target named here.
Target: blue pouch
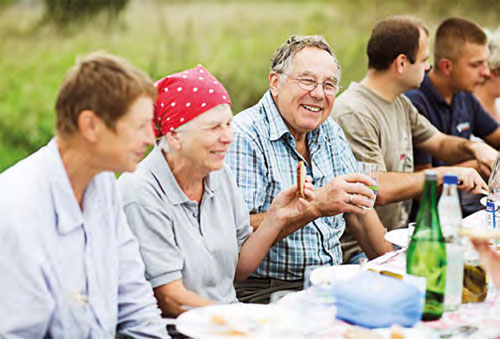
(373, 300)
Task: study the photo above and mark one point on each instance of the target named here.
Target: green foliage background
(234, 40)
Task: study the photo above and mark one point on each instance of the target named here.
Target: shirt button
(80, 298)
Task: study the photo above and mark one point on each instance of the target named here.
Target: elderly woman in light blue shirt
(184, 206)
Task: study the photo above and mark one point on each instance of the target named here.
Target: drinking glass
(371, 170)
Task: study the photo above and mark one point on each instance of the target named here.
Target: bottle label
(490, 215)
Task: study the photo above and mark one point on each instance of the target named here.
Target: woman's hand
(488, 258)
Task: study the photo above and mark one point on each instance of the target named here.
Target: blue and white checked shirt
(64, 272)
(264, 161)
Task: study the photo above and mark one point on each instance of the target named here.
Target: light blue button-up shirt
(263, 160)
(64, 272)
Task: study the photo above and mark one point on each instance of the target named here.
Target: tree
(65, 12)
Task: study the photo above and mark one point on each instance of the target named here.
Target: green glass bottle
(426, 255)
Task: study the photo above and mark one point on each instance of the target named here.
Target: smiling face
(470, 68)
(206, 139)
(304, 110)
(121, 149)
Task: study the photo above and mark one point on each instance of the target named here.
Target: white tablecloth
(484, 316)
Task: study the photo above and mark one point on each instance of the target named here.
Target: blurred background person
(445, 97)
(184, 206)
(488, 93)
(383, 126)
(70, 266)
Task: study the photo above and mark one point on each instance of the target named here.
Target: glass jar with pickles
(475, 288)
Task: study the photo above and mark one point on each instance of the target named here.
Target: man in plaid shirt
(290, 123)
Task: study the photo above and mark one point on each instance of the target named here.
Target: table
(484, 317)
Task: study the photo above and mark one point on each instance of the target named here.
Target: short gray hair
(162, 141)
(494, 47)
(283, 56)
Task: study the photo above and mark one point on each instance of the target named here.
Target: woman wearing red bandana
(184, 206)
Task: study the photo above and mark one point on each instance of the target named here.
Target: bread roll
(301, 178)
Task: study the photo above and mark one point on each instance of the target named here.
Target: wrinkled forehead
(316, 62)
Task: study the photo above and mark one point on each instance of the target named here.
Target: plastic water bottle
(450, 217)
(493, 199)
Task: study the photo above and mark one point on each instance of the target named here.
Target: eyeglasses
(330, 88)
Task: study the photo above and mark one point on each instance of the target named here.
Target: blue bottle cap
(450, 179)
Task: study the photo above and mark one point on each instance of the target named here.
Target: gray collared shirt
(68, 273)
(180, 240)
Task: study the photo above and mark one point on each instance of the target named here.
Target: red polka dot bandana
(185, 95)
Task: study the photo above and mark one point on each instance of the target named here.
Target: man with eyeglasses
(382, 125)
(290, 124)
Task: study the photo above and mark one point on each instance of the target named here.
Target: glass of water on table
(371, 170)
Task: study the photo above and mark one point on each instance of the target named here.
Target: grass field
(234, 40)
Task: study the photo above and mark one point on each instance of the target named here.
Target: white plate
(483, 201)
(398, 237)
(233, 320)
(326, 275)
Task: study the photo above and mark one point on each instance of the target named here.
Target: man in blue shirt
(70, 266)
(445, 95)
(290, 124)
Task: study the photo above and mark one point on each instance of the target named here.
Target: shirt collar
(69, 214)
(277, 126)
(428, 88)
(166, 179)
